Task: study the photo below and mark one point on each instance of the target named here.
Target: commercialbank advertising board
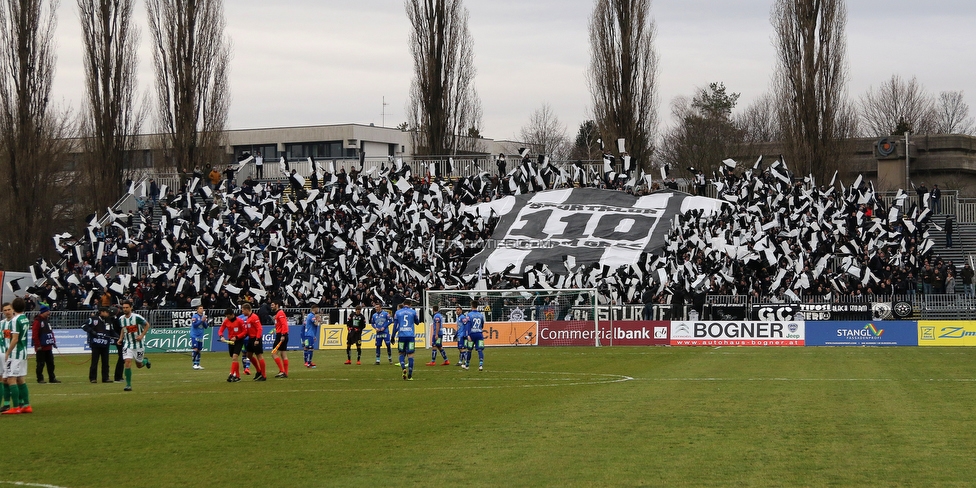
(738, 333)
(618, 333)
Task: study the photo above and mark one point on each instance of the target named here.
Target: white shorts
(134, 353)
(15, 368)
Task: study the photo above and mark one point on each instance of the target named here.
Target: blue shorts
(461, 342)
(196, 344)
(308, 342)
(380, 339)
(438, 342)
(405, 345)
(477, 340)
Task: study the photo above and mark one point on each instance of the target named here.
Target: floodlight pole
(908, 180)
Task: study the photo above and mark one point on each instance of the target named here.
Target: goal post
(518, 317)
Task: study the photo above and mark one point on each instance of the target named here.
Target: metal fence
(169, 318)
(738, 307)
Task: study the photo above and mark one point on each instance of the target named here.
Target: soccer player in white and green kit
(15, 334)
(134, 330)
(8, 314)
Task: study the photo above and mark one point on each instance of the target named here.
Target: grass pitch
(536, 416)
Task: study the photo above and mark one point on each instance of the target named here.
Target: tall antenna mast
(383, 123)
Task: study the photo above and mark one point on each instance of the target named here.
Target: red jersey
(281, 322)
(253, 325)
(235, 329)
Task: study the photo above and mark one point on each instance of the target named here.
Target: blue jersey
(405, 322)
(308, 332)
(476, 322)
(198, 325)
(438, 324)
(462, 326)
(380, 322)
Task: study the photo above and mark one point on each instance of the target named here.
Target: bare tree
(471, 140)
(895, 106)
(545, 132)
(623, 75)
(191, 55)
(810, 83)
(952, 115)
(32, 134)
(109, 121)
(758, 121)
(443, 106)
(704, 133)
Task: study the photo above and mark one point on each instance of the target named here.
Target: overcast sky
(308, 62)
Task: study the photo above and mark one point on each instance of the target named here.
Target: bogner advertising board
(737, 333)
(862, 333)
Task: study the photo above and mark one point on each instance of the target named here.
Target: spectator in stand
(214, 177)
(936, 199)
(153, 192)
(42, 336)
(948, 231)
(950, 283)
(967, 280)
(229, 172)
(259, 166)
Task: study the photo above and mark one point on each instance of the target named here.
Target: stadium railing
(172, 317)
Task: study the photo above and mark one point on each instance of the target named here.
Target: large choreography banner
(581, 225)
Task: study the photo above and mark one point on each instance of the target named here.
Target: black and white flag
(588, 225)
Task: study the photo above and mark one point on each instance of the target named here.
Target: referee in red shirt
(255, 350)
(280, 350)
(236, 335)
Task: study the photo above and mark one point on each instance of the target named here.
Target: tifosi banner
(715, 333)
(584, 225)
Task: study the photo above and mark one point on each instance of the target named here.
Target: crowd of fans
(387, 234)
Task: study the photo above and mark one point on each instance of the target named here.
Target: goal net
(522, 317)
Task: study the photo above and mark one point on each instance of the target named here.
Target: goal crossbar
(516, 310)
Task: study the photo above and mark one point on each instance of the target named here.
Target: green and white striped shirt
(132, 326)
(19, 325)
(4, 325)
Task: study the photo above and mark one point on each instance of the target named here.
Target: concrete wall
(946, 160)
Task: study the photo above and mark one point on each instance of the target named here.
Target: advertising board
(946, 333)
(862, 333)
(619, 333)
(737, 333)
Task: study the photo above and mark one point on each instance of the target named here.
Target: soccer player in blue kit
(380, 320)
(404, 325)
(198, 326)
(308, 334)
(437, 327)
(476, 327)
(461, 336)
